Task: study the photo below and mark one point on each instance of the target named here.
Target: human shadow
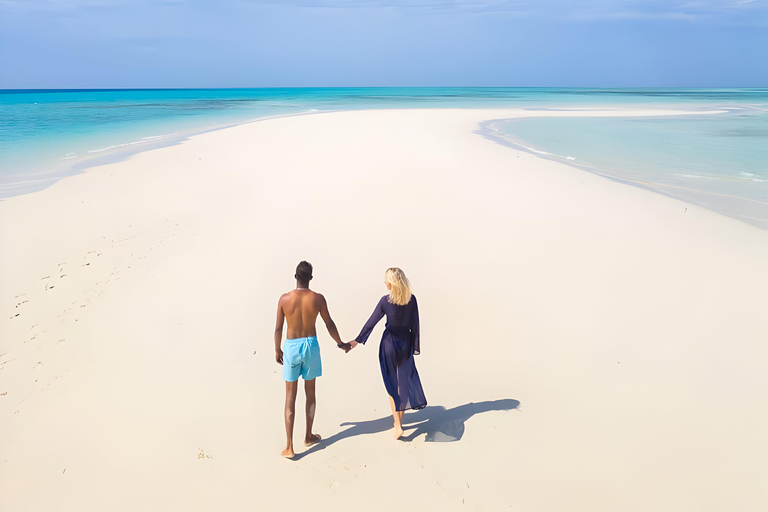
(440, 425)
(445, 425)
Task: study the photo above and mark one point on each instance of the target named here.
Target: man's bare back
(301, 307)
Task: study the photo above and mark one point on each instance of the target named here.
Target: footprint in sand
(2, 364)
(36, 335)
(19, 304)
(89, 257)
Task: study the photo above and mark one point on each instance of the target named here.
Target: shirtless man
(301, 354)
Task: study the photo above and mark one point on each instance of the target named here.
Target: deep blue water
(48, 134)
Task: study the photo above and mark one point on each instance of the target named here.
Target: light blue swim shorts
(301, 356)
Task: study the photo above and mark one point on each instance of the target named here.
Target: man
(301, 352)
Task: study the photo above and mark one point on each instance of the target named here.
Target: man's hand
(345, 347)
(279, 356)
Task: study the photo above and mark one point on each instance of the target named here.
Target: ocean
(719, 161)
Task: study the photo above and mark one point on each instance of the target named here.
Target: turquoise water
(717, 161)
(45, 135)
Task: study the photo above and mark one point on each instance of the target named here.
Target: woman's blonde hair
(400, 293)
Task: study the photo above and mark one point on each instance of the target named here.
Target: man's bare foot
(288, 453)
(312, 439)
(398, 432)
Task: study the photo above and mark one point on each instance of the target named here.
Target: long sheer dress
(399, 344)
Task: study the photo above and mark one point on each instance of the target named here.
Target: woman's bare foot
(288, 453)
(312, 439)
(398, 432)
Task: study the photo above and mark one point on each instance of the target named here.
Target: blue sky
(261, 43)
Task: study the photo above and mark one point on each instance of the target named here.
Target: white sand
(630, 327)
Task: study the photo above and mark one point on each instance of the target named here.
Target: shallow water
(719, 161)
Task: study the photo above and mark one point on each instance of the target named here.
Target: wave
(697, 176)
(143, 140)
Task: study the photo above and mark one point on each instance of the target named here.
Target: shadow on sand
(441, 425)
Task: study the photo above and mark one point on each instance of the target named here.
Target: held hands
(346, 347)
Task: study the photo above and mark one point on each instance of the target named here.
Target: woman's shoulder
(384, 300)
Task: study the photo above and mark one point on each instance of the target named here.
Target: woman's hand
(353, 343)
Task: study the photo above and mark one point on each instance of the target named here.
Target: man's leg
(309, 390)
(290, 414)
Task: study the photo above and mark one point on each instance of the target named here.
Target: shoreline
(125, 151)
(303, 99)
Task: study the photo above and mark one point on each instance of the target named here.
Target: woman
(399, 344)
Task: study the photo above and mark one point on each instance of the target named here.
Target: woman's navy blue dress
(399, 344)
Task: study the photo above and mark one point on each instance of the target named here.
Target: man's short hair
(304, 271)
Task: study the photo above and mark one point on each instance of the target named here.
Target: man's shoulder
(294, 293)
(287, 296)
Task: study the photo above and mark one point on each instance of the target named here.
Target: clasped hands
(346, 347)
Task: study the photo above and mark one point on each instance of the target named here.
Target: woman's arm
(415, 328)
(378, 313)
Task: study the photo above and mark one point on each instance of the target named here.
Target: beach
(586, 344)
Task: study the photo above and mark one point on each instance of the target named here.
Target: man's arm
(279, 331)
(330, 325)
